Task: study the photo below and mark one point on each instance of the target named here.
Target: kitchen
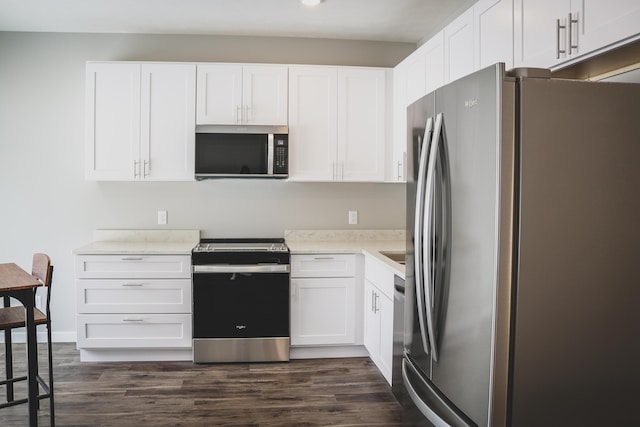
(43, 113)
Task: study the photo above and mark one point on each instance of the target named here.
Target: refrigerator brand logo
(471, 103)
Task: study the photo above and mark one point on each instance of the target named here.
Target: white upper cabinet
(493, 25)
(361, 124)
(541, 29)
(167, 133)
(607, 22)
(112, 124)
(313, 130)
(549, 32)
(458, 47)
(140, 121)
(434, 62)
(236, 94)
(337, 123)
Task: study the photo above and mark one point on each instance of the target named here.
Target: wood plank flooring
(317, 392)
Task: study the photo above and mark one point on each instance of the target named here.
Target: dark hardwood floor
(317, 392)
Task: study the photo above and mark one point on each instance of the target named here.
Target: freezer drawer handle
(422, 407)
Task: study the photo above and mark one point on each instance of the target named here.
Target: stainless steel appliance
(398, 337)
(255, 152)
(241, 300)
(523, 280)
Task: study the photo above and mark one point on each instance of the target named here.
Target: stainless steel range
(241, 300)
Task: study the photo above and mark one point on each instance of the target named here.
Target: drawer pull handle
(132, 320)
(132, 258)
(323, 257)
(132, 284)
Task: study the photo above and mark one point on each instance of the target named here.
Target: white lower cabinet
(378, 315)
(133, 302)
(323, 300)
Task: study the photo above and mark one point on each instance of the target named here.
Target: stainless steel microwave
(244, 153)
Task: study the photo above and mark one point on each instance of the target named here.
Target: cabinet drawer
(133, 296)
(134, 330)
(379, 275)
(133, 266)
(323, 265)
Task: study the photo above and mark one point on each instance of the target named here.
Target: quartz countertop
(368, 242)
(152, 242)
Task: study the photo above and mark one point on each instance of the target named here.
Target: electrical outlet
(162, 217)
(353, 217)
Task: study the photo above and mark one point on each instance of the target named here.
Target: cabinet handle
(373, 301)
(132, 258)
(132, 284)
(246, 114)
(376, 304)
(399, 177)
(570, 32)
(131, 319)
(145, 169)
(323, 257)
(342, 171)
(558, 28)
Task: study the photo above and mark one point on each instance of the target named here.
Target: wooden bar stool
(13, 318)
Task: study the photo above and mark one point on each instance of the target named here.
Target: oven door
(241, 301)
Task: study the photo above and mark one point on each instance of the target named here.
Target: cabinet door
(398, 167)
(434, 60)
(538, 41)
(312, 123)
(264, 94)
(493, 25)
(605, 22)
(361, 124)
(371, 321)
(112, 121)
(458, 47)
(219, 96)
(323, 311)
(168, 122)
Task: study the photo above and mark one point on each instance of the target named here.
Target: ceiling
(406, 21)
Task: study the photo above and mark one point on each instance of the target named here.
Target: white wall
(47, 206)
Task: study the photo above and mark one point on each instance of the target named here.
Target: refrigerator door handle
(418, 233)
(427, 241)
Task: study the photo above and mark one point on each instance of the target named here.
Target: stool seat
(14, 317)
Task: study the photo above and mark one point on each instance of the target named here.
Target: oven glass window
(218, 153)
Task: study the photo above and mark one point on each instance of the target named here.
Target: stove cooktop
(241, 245)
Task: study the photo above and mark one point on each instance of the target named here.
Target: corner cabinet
(236, 94)
(134, 307)
(140, 121)
(323, 309)
(337, 123)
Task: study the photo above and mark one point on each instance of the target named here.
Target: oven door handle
(226, 268)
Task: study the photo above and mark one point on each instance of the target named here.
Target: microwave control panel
(281, 157)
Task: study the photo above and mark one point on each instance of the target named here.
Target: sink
(395, 256)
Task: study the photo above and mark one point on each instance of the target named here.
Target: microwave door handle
(270, 154)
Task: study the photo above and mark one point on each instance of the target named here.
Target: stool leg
(8, 356)
(51, 403)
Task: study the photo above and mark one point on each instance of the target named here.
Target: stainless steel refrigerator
(523, 253)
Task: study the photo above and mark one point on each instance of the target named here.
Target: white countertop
(368, 242)
(152, 242)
